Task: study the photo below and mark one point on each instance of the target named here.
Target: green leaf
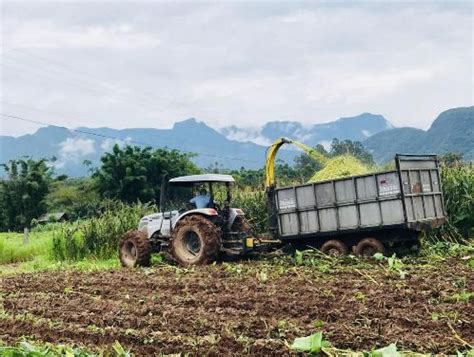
(379, 256)
(388, 351)
(27, 347)
(311, 344)
(119, 350)
(299, 257)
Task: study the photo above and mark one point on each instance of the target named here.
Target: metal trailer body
(407, 199)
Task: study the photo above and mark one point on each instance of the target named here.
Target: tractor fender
(210, 212)
(234, 212)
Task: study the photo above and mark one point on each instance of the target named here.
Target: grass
(13, 250)
(40, 264)
(15, 257)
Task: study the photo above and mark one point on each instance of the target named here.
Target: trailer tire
(195, 241)
(134, 249)
(367, 247)
(335, 247)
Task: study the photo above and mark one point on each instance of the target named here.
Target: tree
(306, 166)
(78, 197)
(134, 174)
(23, 192)
(452, 159)
(354, 148)
(249, 177)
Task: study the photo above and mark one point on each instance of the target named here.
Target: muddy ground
(244, 308)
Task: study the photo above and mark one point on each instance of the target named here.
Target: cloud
(108, 144)
(47, 35)
(326, 144)
(241, 63)
(73, 149)
(245, 134)
(356, 87)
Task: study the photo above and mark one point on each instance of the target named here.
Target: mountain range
(357, 128)
(451, 131)
(234, 147)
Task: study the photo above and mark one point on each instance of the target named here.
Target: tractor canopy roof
(193, 179)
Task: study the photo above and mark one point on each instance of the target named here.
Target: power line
(120, 139)
(163, 138)
(145, 98)
(77, 83)
(95, 84)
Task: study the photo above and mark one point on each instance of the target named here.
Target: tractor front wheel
(134, 249)
(195, 241)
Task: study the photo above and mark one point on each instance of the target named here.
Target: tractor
(190, 235)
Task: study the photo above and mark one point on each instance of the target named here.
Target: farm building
(53, 217)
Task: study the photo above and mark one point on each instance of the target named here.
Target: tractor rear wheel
(335, 247)
(134, 249)
(195, 241)
(367, 247)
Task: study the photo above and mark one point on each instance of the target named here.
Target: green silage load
(339, 167)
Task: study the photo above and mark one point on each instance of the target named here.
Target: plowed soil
(242, 308)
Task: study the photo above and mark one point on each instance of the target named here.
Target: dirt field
(248, 308)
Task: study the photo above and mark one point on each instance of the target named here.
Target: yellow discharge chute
(339, 166)
(271, 155)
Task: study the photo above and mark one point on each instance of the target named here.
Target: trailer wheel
(134, 249)
(195, 241)
(335, 247)
(367, 247)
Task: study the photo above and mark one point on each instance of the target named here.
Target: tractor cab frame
(192, 235)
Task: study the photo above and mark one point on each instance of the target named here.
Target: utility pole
(26, 238)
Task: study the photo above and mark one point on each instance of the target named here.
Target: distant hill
(71, 148)
(358, 128)
(235, 147)
(452, 131)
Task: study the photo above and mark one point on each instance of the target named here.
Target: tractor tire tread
(209, 233)
(142, 245)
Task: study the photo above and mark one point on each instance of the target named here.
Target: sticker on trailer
(286, 203)
(388, 185)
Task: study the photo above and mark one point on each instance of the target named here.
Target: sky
(152, 63)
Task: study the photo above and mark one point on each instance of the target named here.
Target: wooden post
(26, 238)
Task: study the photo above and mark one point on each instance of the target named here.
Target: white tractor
(191, 235)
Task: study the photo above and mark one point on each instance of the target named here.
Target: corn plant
(458, 189)
(99, 236)
(253, 203)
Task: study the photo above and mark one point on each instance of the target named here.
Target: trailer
(366, 214)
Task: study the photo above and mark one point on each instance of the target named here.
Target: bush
(458, 189)
(97, 237)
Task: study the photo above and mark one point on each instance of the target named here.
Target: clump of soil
(242, 308)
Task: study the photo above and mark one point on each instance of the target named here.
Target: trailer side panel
(410, 196)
